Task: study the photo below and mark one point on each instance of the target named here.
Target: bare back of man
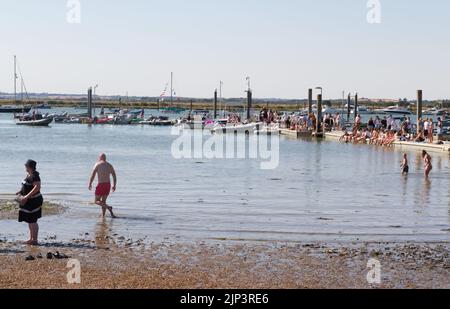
(104, 171)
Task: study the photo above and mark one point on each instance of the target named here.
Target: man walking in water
(104, 171)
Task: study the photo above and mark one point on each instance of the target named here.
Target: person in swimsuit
(104, 170)
(428, 166)
(420, 138)
(405, 165)
(31, 201)
(431, 131)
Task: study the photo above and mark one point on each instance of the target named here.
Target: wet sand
(109, 260)
(116, 262)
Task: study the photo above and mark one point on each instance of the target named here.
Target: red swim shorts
(103, 189)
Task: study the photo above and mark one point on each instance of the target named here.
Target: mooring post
(89, 104)
(349, 107)
(192, 105)
(310, 101)
(319, 114)
(215, 104)
(356, 105)
(419, 105)
(249, 104)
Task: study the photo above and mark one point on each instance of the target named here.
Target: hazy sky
(286, 46)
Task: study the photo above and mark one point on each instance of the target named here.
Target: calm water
(320, 191)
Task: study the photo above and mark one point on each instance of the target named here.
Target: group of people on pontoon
(385, 131)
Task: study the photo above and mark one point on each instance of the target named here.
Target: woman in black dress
(31, 200)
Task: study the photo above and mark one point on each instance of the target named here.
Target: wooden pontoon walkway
(295, 134)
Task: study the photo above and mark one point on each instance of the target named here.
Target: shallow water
(320, 192)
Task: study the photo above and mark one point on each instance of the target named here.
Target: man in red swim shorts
(104, 170)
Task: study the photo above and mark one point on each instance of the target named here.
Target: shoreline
(229, 265)
(9, 209)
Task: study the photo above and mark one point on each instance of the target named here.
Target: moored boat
(14, 109)
(44, 122)
(238, 128)
(397, 110)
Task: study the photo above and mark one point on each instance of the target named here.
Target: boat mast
(15, 79)
(21, 89)
(220, 95)
(171, 89)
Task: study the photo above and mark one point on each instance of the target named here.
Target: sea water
(320, 191)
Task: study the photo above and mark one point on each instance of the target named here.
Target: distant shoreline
(230, 106)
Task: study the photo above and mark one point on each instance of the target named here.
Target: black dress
(32, 210)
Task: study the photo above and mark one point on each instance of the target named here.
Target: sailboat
(36, 119)
(171, 108)
(15, 108)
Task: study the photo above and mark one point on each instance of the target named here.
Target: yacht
(397, 110)
(435, 112)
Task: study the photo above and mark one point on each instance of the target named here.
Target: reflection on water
(320, 191)
(102, 234)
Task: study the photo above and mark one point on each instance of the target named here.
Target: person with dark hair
(405, 165)
(30, 200)
(428, 166)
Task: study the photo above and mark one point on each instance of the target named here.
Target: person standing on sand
(104, 170)
(428, 166)
(31, 201)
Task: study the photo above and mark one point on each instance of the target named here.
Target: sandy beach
(110, 260)
(116, 262)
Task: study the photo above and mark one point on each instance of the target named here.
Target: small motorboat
(435, 112)
(44, 122)
(268, 130)
(361, 110)
(397, 110)
(72, 120)
(103, 120)
(237, 128)
(157, 121)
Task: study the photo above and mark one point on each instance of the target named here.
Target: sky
(284, 46)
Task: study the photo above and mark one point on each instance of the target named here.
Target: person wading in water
(104, 171)
(428, 166)
(31, 201)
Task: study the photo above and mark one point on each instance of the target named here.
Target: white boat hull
(238, 129)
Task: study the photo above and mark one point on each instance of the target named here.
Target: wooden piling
(356, 105)
(89, 104)
(249, 104)
(215, 104)
(349, 107)
(319, 114)
(310, 101)
(419, 104)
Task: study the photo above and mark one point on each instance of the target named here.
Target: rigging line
(22, 80)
